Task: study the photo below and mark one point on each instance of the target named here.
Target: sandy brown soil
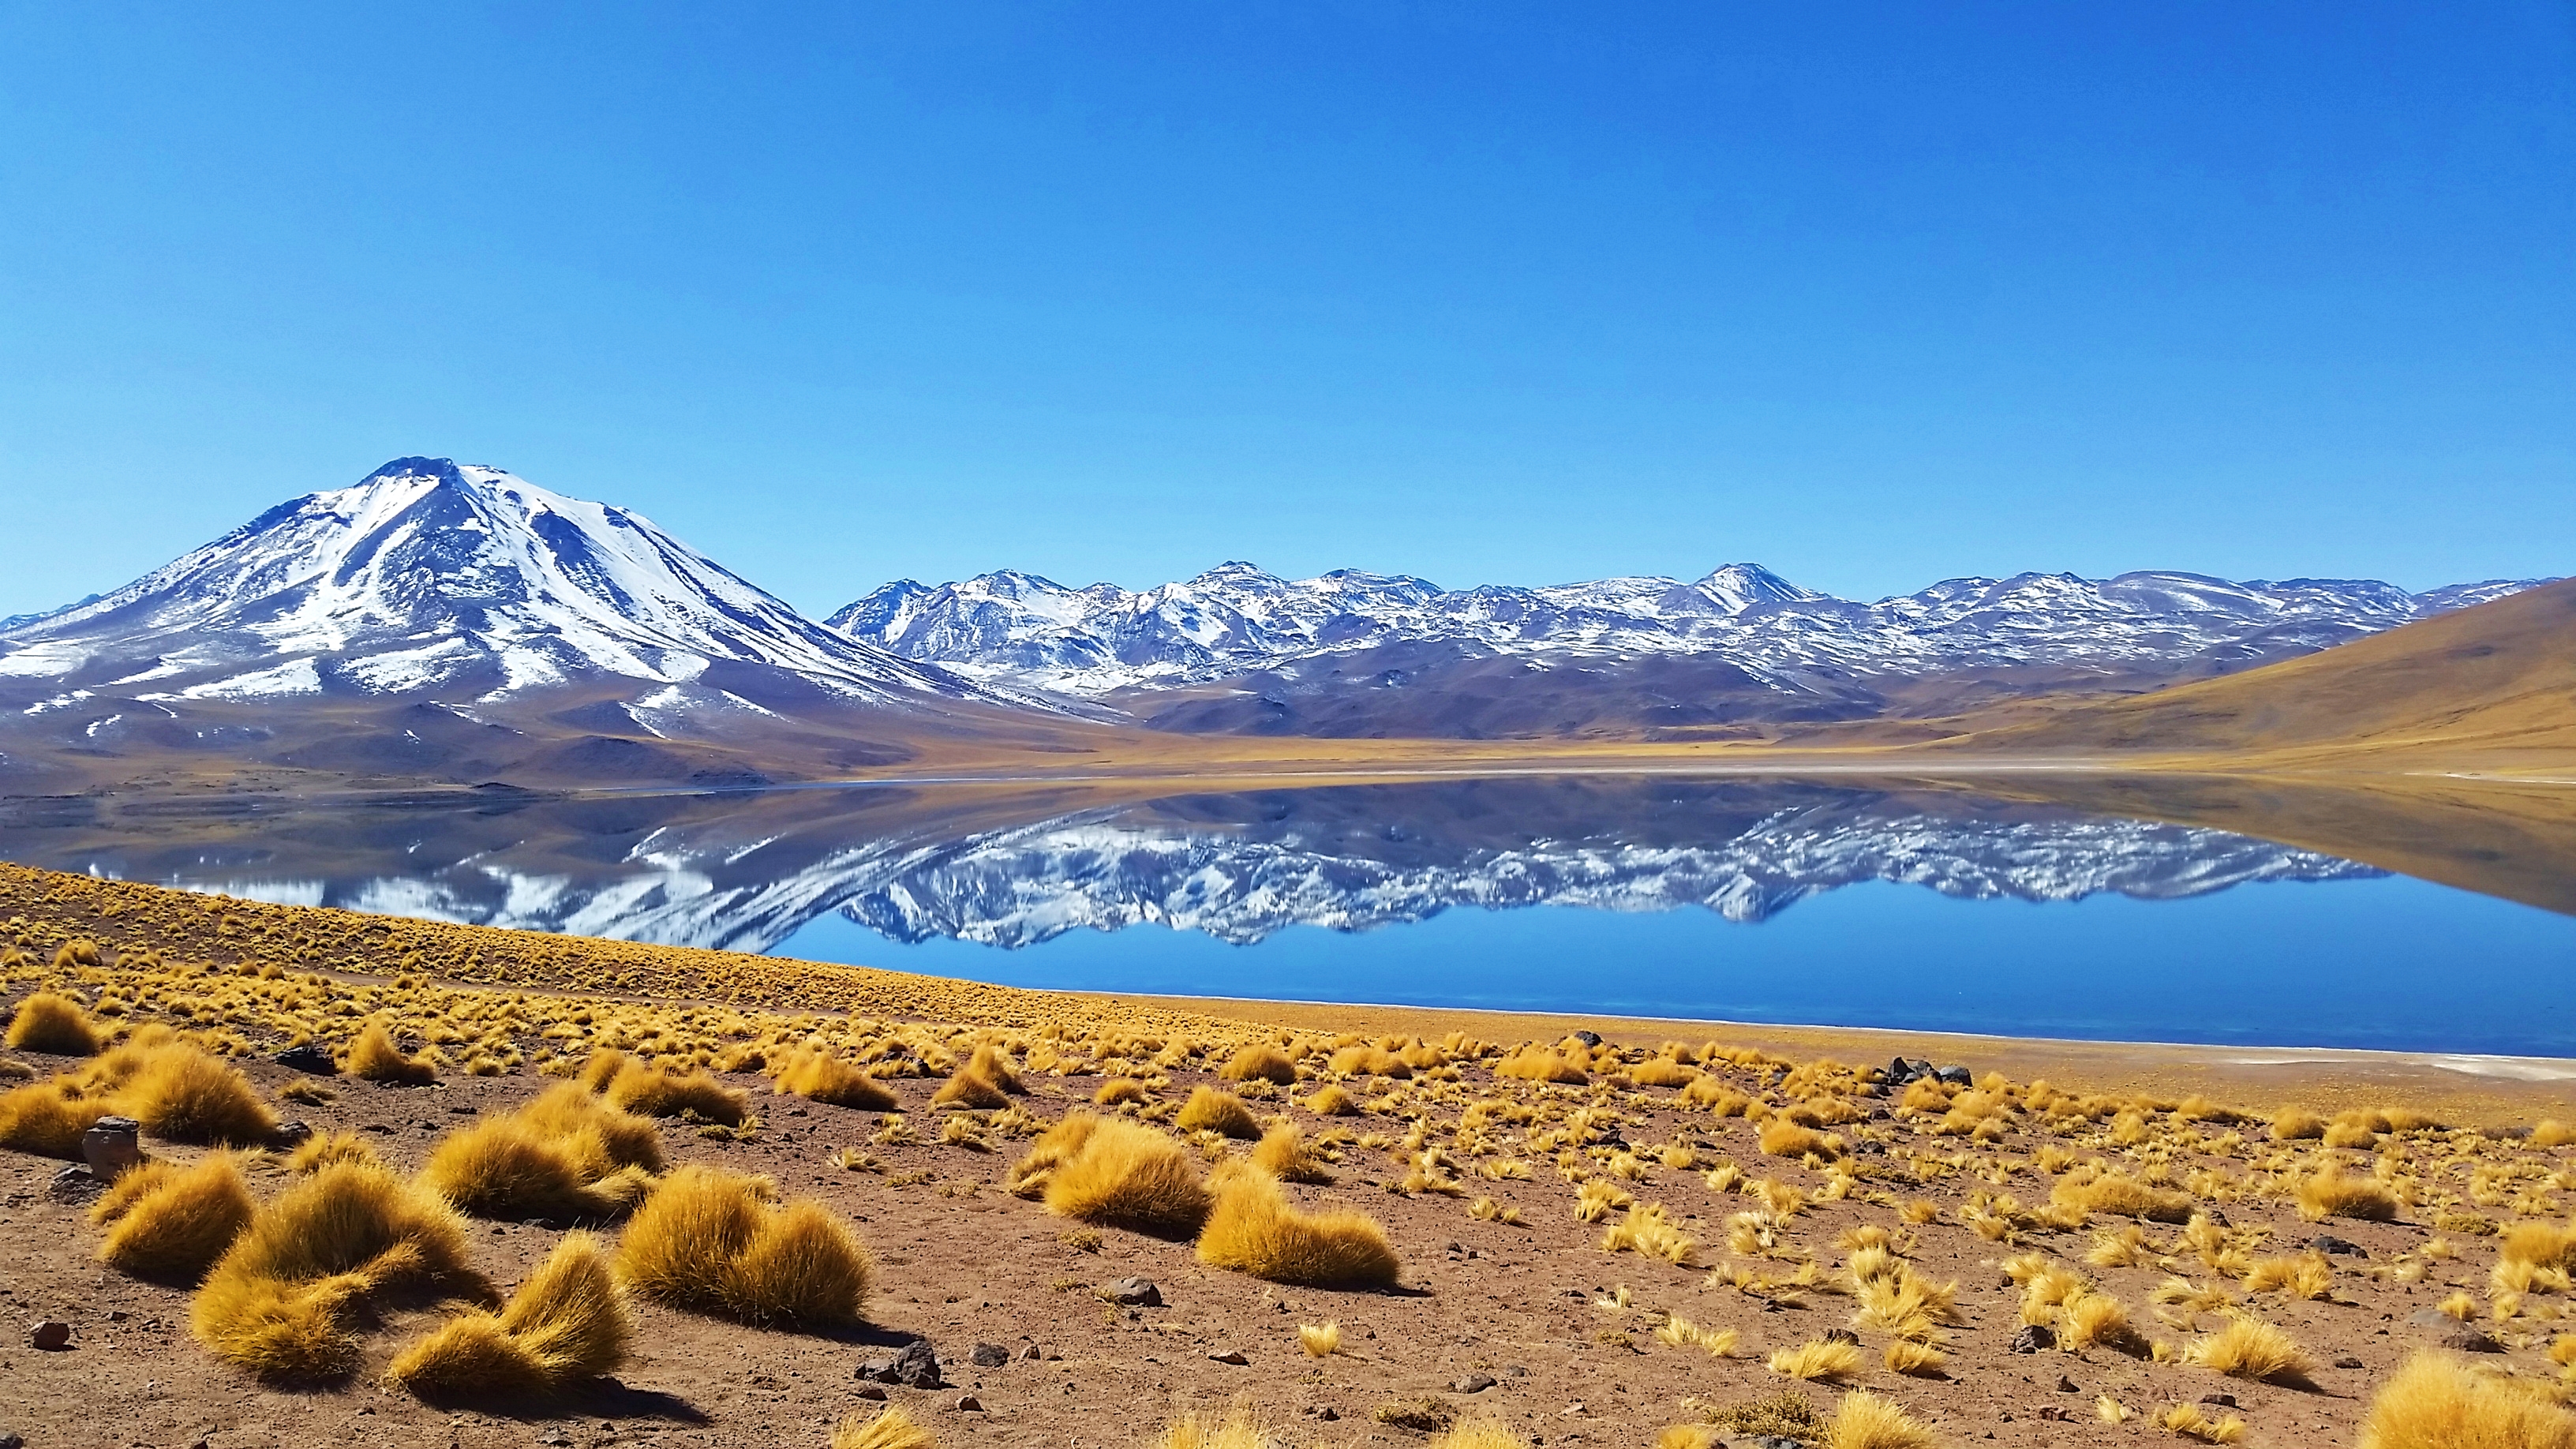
(962, 1263)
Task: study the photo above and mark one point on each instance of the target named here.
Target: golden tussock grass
(654, 1092)
(2090, 1318)
(1330, 1100)
(713, 1242)
(2332, 1194)
(1259, 1063)
(2189, 1422)
(1541, 1066)
(1712, 1093)
(1118, 1091)
(324, 1148)
(2122, 1197)
(374, 1057)
(1817, 1361)
(1212, 1110)
(507, 1167)
(1781, 1137)
(1367, 1061)
(170, 1224)
(2436, 1402)
(279, 1302)
(1865, 1421)
(1115, 1174)
(892, 1428)
(568, 1323)
(1649, 1232)
(2249, 1348)
(180, 1093)
(47, 1118)
(1480, 1432)
(48, 1021)
(1319, 1340)
(1237, 1428)
(1252, 1229)
(822, 1077)
(2553, 1133)
(1662, 1072)
(1916, 1360)
(1283, 1153)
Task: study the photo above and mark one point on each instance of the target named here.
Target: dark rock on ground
(2033, 1339)
(990, 1355)
(1134, 1293)
(308, 1058)
(914, 1367)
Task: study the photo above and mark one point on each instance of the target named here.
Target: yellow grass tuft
(324, 1148)
(892, 1428)
(1252, 1229)
(1331, 1101)
(1238, 1429)
(1648, 1232)
(1918, 1360)
(1866, 1421)
(375, 1058)
(1118, 1091)
(822, 1077)
(2331, 1194)
(1481, 1432)
(170, 1224)
(712, 1242)
(653, 1092)
(50, 1022)
(2298, 1126)
(1541, 1066)
(1283, 1153)
(2249, 1348)
(566, 1324)
(508, 1167)
(1818, 1361)
(2122, 1197)
(1259, 1063)
(1118, 1174)
(280, 1301)
(48, 1119)
(1212, 1110)
(2188, 1422)
(1367, 1061)
(1319, 1340)
(2435, 1402)
(1781, 1137)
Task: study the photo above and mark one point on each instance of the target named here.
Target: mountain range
(451, 622)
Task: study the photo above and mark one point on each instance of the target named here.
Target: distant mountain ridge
(1812, 654)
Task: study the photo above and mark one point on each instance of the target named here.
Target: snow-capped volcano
(431, 575)
(1348, 629)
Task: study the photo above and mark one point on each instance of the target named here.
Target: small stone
(112, 1144)
(294, 1132)
(75, 1183)
(1472, 1384)
(2348, 1362)
(1134, 1293)
(2224, 1401)
(2033, 1338)
(1588, 1038)
(1572, 1410)
(1229, 1355)
(2469, 1340)
(13, 1441)
(2066, 1385)
(2329, 1243)
(50, 1334)
(1327, 1413)
(1956, 1076)
(1842, 1335)
(308, 1058)
(1032, 1353)
(990, 1355)
(871, 1393)
(969, 1404)
(914, 1367)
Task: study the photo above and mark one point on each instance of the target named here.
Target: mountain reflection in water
(1015, 869)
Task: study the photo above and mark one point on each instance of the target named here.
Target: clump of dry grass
(47, 1118)
(170, 1224)
(654, 1092)
(1367, 1061)
(1480, 1432)
(2189, 1422)
(1781, 1137)
(509, 1167)
(892, 1428)
(1319, 1340)
(713, 1242)
(566, 1324)
(1330, 1100)
(279, 1302)
(2332, 1194)
(822, 1077)
(1283, 1153)
(374, 1057)
(1116, 1174)
(1649, 1232)
(2122, 1197)
(1252, 1229)
(49, 1021)
(1865, 1421)
(2435, 1402)
(1211, 1110)
(2249, 1348)
(2298, 1126)
(984, 1083)
(1118, 1091)
(1237, 1428)
(1916, 1360)
(1818, 1360)
(1537, 1065)
(1259, 1063)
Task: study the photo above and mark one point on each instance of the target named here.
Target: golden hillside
(2486, 688)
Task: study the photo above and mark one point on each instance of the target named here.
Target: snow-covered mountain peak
(428, 574)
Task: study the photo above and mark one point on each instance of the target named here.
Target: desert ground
(1646, 1239)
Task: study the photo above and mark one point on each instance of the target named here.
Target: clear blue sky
(1482, 292)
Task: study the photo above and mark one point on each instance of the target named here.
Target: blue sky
(1873, 295)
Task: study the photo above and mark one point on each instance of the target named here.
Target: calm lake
(1886, 904)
